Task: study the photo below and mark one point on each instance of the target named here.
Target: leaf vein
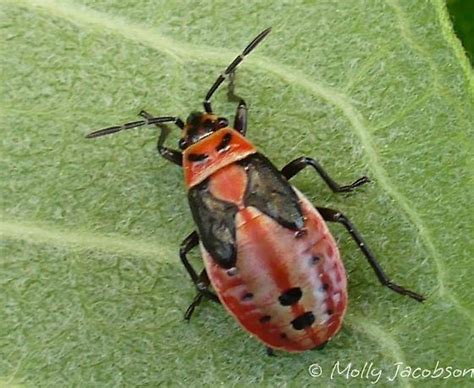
(376, 332)
(10, 229)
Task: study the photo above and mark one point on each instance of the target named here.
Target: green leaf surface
(92, 288)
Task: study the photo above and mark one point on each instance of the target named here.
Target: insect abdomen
(287, 288)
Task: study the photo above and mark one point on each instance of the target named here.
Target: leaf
(93, 291)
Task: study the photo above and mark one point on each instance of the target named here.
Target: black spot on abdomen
(247, 296)
(303, 321)
(290, 296)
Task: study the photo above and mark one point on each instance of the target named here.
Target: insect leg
(240, 120)
(190, 310)
(204, 280)
(200, 281)
(336, 216)
(294, 167)
(169, 154)
(231, 95)
(270, 352)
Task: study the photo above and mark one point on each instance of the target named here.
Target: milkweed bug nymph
(269, 256)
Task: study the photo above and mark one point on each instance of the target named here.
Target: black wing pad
(215, 220)
(270, 192)
(267, 190)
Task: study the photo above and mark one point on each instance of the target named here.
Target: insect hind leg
(336, 216)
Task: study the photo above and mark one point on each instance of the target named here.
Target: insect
(268, 253)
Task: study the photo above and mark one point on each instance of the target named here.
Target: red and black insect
(268, 253)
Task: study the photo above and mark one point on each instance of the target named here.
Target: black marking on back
(197, 157)
(224, 142)
(215, 221)
(303, 321)
(290, 296)
(270, 192)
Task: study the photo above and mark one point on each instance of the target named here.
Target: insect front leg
(240, 120)
(173, 156)
(336, 216)
(200, 281)
(294, 167)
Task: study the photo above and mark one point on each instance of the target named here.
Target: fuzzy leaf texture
(93, 292)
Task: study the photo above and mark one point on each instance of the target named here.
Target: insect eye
(182, 144)
(222, 122)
